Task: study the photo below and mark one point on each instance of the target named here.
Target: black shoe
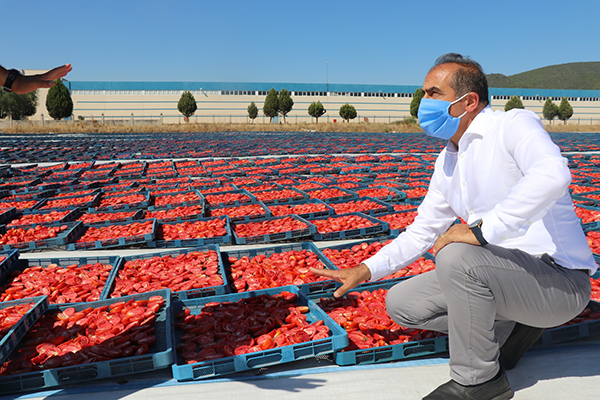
(497, 388)
(520, 340)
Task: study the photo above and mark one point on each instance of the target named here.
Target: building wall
(226, 102)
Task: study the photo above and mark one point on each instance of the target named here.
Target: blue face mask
(435, 119)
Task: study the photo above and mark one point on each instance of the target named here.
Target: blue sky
(364, 42)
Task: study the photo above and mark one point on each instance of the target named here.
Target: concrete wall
(157, 101)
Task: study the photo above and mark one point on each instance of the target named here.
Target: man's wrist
(475, 227)
(12, 76)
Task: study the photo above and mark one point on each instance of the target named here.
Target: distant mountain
(574, 76)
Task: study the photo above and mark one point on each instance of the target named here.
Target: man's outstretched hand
(28, 83)
(349, 278)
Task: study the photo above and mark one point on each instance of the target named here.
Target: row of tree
(20, 106)
(60, 105)
(564, 111)
(276, 103)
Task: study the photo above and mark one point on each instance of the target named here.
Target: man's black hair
(468, 78)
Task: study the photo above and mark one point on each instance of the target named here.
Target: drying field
(220, 230)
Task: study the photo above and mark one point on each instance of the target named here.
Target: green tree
(18, 106)
(285, 103)
(58, 101)
(550, 110)
(514, 102)
(271, 106)
(252, 111)
(416, 101)
(316, 110)
(347, 112)
(565, 111)
(187, 105)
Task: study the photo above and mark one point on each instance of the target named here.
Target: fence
(236, 119)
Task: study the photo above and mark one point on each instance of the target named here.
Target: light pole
(327, 77)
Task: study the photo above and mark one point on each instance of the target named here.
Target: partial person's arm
(28, 83)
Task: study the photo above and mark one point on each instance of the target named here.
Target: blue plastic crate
(77, 188)
(251, 199)
(71, 216)
(11, 257)
(74, 229)
(349, 245)
(180, 218)
(7, 215)
(160, 355)
(193, 242)
(11, 339)
(583, 200)
(200, 200)
(354, 169)
(36, 205)
(381, 228)
(120, 207)
(588, 226)
(328, 211)
(382, 240)
(187, 294)
(592, 188)
(274, 237)
(567, 333)
(89, 204)
(25, 185)
(74, 190)
(307, 288)
(244, 218)
(382, 209)
(347, 194)
(396, 352)
(63, 262)
(255, 187)
(300, 196)
(397, 195)
(398, 230)
(116, 242)
(137, 214)
(33, 195)
(275, 356)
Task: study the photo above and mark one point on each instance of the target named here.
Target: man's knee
(401, 307)
(454, 257)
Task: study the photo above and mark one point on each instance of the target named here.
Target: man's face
(437, 86)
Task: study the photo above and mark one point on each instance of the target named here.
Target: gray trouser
(476, 293)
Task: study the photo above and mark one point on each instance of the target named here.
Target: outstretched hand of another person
(350, 277)
(28, 83)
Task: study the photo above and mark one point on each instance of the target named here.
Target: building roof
(308, 87)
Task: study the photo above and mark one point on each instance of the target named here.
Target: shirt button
(471, 212)
(502, 237)
(464, 184)
(462, 155)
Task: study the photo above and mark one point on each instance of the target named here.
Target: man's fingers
(57, 72)
(341, 291)
(328, 273)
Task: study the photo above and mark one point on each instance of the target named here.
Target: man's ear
(472, 102)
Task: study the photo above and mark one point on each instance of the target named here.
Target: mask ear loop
(457, 100)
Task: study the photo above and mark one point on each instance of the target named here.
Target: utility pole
(327, 77)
